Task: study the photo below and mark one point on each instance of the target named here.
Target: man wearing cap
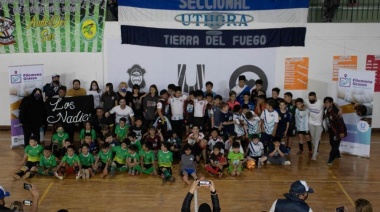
(33, 191)
(294, 200)
(51, 89)
(3, 194)
(241, 88)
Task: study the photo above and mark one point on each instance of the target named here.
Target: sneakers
(330, 161)
(79, 174)
(314, 158)
(57, 175)
(286, 163)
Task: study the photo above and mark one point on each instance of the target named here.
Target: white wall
(323, 41)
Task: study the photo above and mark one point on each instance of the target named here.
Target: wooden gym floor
(346, 180)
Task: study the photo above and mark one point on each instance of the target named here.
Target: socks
(301, 147)
(20, 173)
(167, 174)
(309, 146)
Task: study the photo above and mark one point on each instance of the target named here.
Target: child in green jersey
(133, 159)
(48, 164)
(70, 163)
(134, 141)
(31, 158)
(103, 161)
(87, 129)
(87, 162)
(165, 160)
(58, 140)
(235, 160)
(121, 130)
(147, 160)
(119, 161)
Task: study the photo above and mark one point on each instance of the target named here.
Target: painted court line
(345, 193)
(45, 193)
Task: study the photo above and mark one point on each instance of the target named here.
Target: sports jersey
(192, 141)
(71, 160)
(239, 129)
(240, 91)
(255, 150)
(212, 141)
(120, 154)
(252, 124)
(176, 105)
(217, 158)
(226, 117)
(134, 157)
(49, 162)
(164, 107)
(83, 132)
(121, 132)
(148, 157)
(120, 113)
(60, 138)
(104, 157)
(283, 119)
(231, 105)
(235, 158)
(199, 108)
(302, 117)
(156, 141)
(34, 153)
(86, 160)
(215, 111)
(292, 111)
(165, 159)
(138, 144)
(187, 162)
(316, 111)
(269, 119)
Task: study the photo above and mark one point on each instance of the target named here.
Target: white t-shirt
(96, 96)
(211, 143)
(239, 129)
(228, 145)
(176, 105)
(316, 111)
(269, 119)
(199, 108)
(120, 113)
(252, 124)
(193, 141)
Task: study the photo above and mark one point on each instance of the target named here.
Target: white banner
(355, 97)
(189, 68)
(22, 81)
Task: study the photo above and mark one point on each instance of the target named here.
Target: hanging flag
(213, 23)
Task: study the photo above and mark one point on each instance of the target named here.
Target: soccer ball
(251, 164)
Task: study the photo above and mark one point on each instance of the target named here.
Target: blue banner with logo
(213, 23)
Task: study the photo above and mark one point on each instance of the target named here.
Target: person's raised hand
(212, 186)
(194, 186)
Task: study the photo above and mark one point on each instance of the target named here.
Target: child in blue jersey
(226, 126)
(269, 122)
(302, 124)
(92, 146)
(283, 121)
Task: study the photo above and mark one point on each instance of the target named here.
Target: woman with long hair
(95, 92)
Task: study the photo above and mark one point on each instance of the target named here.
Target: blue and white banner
(213, 23)
(355, 97)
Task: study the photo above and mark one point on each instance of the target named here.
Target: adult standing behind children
(294, 200)
(32, 115)
(122, 110)
(51, 89)
(76, 90)
(95, 92)
(149, 105)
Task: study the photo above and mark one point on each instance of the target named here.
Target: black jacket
(32, 111)
(189, 197)
(291, 204)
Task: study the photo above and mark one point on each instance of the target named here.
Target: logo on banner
(89, 28)
(362, 126)
(252, 73)
(136, 76)
(6, 30)
(344, 81)
(16, 78)
(199, 78)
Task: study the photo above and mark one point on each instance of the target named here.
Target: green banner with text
(38, 26)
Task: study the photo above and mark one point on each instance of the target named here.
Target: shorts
(266, 139)
(303, 132)
(118, 165)
(148, 166)
(231, 169)
(200, 122)
(189, 171)
(167, 168)
(189, 121)
(30, 164)
(103, 165)
(86, 167)
(50, 172)
(256, 158)
(291, 130)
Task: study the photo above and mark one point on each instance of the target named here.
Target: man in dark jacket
(295, 199)
(337, 129)
(32, 115)
(51, 89)
(204, 207)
